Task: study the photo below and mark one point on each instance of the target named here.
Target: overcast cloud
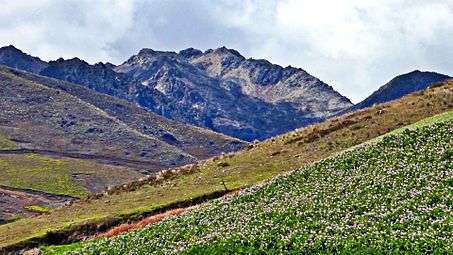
(353, 45)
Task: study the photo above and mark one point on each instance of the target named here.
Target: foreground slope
(390, 196)
(260, 162)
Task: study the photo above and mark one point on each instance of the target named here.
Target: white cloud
(358, 45)
(353, 45)
(52, 29)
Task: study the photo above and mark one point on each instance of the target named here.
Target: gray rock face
(273, 83)
(217, 89)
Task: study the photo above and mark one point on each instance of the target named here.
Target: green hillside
(392, 196)
(242, 169)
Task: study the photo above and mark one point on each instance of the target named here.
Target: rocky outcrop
(99, 77)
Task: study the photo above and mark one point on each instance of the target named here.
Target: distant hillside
(43, 114)
(188, 185)
(400, 86)
(216, 89)
(60, 141)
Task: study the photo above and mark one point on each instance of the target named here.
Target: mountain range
(70, 129)
(216, 89)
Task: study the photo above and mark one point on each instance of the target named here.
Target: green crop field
(392, 196)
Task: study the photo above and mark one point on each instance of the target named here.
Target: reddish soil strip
(142, 223)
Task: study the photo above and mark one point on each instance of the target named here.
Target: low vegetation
(243, 169)
(393, 196)
(62, 176)
(37, 208)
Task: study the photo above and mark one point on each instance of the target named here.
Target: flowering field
(393, 196)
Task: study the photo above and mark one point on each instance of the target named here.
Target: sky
(353, 45)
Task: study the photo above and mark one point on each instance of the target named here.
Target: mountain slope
(218, 89)
(400, 86)
(182, 186)
(87, 122)
(367, 200)
(42, 118)
(64, 139)
(198, 142)
(168, 84)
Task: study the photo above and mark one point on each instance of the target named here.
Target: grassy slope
(245, 168)
(386, 197)
(36, 112)
(56, 176)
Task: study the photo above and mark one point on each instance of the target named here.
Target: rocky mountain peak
(69, 62)
(148, 58)
(190, 53)
(100, 77)
(105, 65)
(225, 51)
(11, 48)
(150, 53)
(217, 62)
